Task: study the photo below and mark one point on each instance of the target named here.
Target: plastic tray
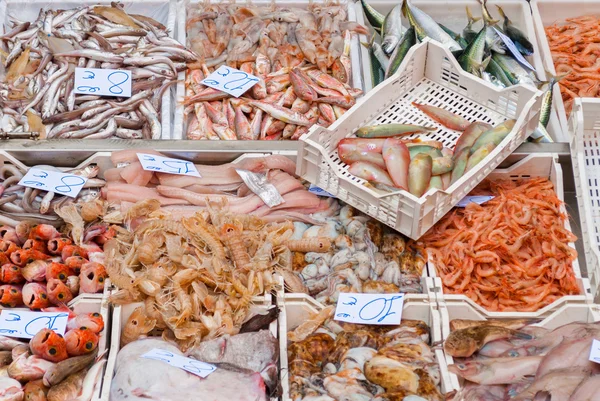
(430, 75)
(584, 127)
(119, 319)
(547, 12)
(296, 308)
(538, 165)
(565, 314)
(180, 127)
(452, 14)
(162, 11)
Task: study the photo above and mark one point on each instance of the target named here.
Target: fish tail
(470, 16)
(501, 11)
(405, 8)
(553, 79)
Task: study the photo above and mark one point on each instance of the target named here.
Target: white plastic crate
(120, 315)
(545, 13)
(162, 11)
(568, 313)
(296, 308)
(452, 14)
(537, 165)
(180, 126)
(429, 75)
(584, 128)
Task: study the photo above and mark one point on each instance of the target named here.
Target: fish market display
(19, 203)
(390, 163)
(479, 51)
(53, 367)
(183, 196)
(575, 56)
(365, 257)
(511, 253)
(41, 56)
(40, 266)
(246, 367)
(300, 55)
(524, 362)
(336, 361)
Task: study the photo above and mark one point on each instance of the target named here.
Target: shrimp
(138, 324)
(199, 228)
(314, 244)
(310, 325)
(232, 237)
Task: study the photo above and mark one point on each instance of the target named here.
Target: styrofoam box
(162, 11)
(568, 313)
(297, 308)
(452, 14)
(119, 319)
(584, 128)
(180, 129)
(537, 165)
(548, 12)
(429, 75)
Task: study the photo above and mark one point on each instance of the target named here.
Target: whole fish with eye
(408, 40)
(39, 80)
(471, 60)
(519, 39)
(465, 342)
(425, 26)
(492, 39)
(392, 29)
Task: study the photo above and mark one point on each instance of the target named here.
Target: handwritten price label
(475, 199)
(166, 165)
(230, 80)
(26, 324)
(379, 309)
(595, 351)
(53, 181)
(98, 81)
(193, 366)
(513, 49)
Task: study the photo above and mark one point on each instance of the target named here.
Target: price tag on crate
(230, 80)
(379, 309)
(319, 191)
(54, 181)
(190, 365)
(513, 49)
(26, 324)
(475, 199)
(102, 82)
(167, 165)
(595, 351)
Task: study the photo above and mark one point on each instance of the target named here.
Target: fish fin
(521, 335)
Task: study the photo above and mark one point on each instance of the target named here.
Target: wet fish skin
(390, 130)
(370, 172)
(392, 29)
(63, 369)
(494, 136)
(497, 370)
(444, 117)
(515, 34)
(397, 161)
(374, 17)
(408, 40)
(425, 25)
(470, 135)
(569, 354)
(419, 174)
(587, 390)
(559, 383)
(465, 342)
(514, 324)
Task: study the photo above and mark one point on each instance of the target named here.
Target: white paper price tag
(193, 366)
(230, 80)
(98, 81)
(54, 181)
(319, 191)
(595, 351)
(26, 324)
(475, 199)
(166, 165)
(379, 309)
(513, 49)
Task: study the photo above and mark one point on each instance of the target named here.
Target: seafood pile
(18, 203)
(52, 367)
(246, 369)
(575, 54)
(183, 196)
(40, 57)
(365, 257)
(510, 359)
(301, 56)
(511, 253)
(40, 267)
(389, 163)
(330, 360)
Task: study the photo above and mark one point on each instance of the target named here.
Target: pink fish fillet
(130, 155)
(135, 174)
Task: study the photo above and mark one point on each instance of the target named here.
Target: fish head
(461, 346)
(35, 296)
(74, 263)
(92, 277)
(81, 341)
(11, 273)
(56, 245)
(92, 321)
(49, 345)
(73, 250)
(58, 292)
(57, 271)
(10, 296)
(35, 271)
(43, 232)
(466, 369)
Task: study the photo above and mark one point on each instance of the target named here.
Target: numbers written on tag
(193, 366)
(53, 181)
(230, 80)
(26, 324)
(103, 82)
(167, 165)
(378, 309)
